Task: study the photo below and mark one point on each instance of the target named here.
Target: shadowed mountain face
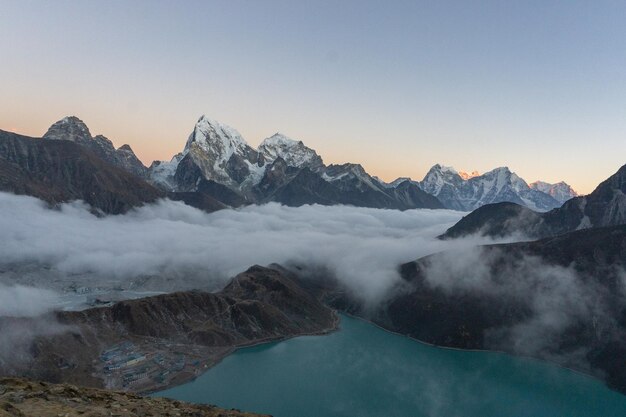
(561, 299)
(61, 171)
(605, 206)
(258, 305)
(74, 130)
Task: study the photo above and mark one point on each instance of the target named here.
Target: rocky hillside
(144, 344)
(58, 171)
(605, 206)
(24, 398)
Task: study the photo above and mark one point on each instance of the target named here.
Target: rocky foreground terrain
(24, 398)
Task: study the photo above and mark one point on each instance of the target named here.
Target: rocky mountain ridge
(468, 192)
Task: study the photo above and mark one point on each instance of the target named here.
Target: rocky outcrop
(25, 398)
(59, 171)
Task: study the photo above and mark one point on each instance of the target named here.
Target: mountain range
(466, 192)
(217, 168)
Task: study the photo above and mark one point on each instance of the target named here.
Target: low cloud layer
(554, 300)
(169, 245)
(21, 301)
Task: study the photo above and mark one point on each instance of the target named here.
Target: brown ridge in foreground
(24, 398)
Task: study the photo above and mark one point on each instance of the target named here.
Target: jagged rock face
(444, 183)
(59, 171)
(560, 191)
(74, 130)
(294, 153)
(69, 128)
(605, 206)
(258, 305)
(471, 192)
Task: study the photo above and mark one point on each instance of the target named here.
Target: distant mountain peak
(468, 192)
(294, 152)
(75, 130)
(69, 128)
(560, 191)
(212, 135)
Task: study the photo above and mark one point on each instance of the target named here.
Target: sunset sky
(538, 86)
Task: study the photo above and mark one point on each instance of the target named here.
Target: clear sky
(539, 86)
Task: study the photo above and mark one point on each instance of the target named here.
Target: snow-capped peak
(560, 191)
(294, 153)
(439, 177)
(216, 138)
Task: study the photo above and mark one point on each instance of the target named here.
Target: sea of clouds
(169, 246)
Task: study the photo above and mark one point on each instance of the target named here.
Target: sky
(538, 86)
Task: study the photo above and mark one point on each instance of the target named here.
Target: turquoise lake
(362, 371)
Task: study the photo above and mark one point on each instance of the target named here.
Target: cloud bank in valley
(175, 246)
(21, 301)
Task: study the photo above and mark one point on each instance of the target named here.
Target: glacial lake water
(363, 371)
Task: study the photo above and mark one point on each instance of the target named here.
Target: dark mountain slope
(74, 130)
(61, 171)
(562, 299)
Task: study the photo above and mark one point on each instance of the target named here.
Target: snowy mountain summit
(293, 152)
(560, 191)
